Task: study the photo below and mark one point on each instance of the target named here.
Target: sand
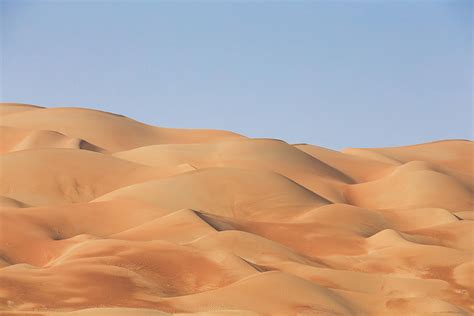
(104, 215)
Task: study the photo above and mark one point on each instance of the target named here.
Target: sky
(331, 73)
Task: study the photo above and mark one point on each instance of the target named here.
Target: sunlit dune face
(104, 215)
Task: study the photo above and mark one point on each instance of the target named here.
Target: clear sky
(332, 73)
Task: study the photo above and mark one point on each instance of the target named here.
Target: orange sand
(104, 215)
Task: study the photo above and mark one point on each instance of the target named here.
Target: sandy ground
(104, 215)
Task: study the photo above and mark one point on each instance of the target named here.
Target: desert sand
(104, 215)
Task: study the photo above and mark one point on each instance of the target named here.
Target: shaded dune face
(104, 215)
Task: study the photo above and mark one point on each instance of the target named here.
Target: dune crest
(104, 215)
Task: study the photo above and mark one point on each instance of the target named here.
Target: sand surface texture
(104, 215)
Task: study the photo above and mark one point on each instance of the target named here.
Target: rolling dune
(104, 215)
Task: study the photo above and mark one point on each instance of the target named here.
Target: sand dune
(104, 215)
(258, 154)
(227, 191)
(16, 139)
(412, 189)
(9, 108)
(455, 154)
(102, 129)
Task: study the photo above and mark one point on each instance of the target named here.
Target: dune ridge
(104, 215)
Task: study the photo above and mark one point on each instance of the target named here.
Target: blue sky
(332, 73)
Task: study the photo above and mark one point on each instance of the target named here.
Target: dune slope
(104, 215)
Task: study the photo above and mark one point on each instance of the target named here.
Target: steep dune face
(104, 215)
